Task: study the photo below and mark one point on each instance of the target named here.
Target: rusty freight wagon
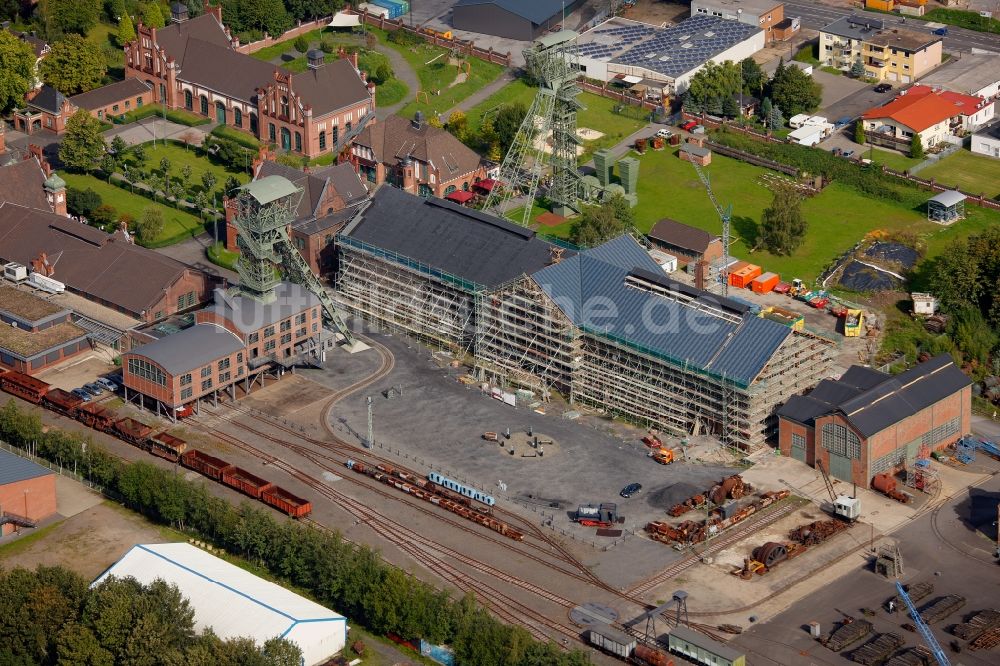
(132, 431)
(96, 416)
(245, 482)
(167, 446)
(203, 463)
(23, 386)
(285, 501)
(62, 402)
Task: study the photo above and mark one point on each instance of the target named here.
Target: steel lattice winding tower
(264, 210)
(551, 64)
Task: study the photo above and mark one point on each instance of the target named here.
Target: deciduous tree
(795, 91)
(17, 70)
(458, 125)
(73, 66)
(754, 78)
(82, 145)
(712, 84)
(150, 225)
(507, 122)
(126, 31)
(63, 16)
(151, 15)
(601, 223)
(782, 227)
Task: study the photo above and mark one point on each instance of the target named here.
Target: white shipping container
(46, 283)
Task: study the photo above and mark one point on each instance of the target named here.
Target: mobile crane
(922, 627)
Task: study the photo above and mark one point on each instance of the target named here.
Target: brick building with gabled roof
(193, 64)
(417, 157)
(103, 268)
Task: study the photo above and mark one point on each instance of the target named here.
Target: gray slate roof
(249, 314)
(585, 285)
(873, 401)
(447, 237)
(396, 138)
(536, 11)
(23, 183)
(109, 94)
(191, 348)
(14, 468)
(854, 27)
(681, 235)
(333, 86)
(48, 99)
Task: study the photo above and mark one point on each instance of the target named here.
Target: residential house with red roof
(934, 114)
(193, 64)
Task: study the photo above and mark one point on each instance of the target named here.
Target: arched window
(448, 190)
(465, 186)
(204, 105)
(237, 118)
(284, 106)
(841, 441)
(286, 139)
(425, 190)
(163, 93)
(271, 132)
(188, 100)
(220, 113)
(322, 140)
(253, 123)
(298, 142)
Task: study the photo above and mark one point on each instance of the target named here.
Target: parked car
(883, 87)
(631, 490)
(689, 125)
(80, 393)
(93, 389)
(106, 383)
(664, 133)
(940, 32)
(847, 153)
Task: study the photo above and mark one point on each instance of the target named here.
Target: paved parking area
(836, 87)
(157, 128)
(855, 103)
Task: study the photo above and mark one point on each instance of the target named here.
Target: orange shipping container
(762, 284)
(742, 277)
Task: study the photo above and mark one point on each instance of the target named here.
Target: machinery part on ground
(925, 631)
(817, 532)
(732, 487)
(770, 554)
(888, 486)
(978, 624)
(849, 632)
(941, 608)
(875, 651)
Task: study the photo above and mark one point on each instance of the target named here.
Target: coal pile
(896, 253)
(861, 278)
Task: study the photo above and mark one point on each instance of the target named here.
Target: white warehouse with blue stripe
(233, 602)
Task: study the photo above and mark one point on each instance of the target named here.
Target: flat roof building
(233, 602)
(974, 74)
(34, 333)
(27, 492)
(515, 19)
(668, 56)
(768, 15)
(887, 54)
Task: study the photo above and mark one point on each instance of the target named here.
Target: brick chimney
(214, 11)
(42, 265)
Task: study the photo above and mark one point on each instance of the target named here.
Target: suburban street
(814, 16)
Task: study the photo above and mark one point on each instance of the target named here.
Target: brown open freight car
(203, 463)
(96, 416)
(167, 446)
(62, 402)
(23, 386)
(132, 431)
(245, 482)
(283, 500)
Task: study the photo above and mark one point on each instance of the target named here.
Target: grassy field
(973, 173)
(219, 255)
(892, 159)
(178, 224)
(180, 156)
(436, 76)
(838, 217)
(598, 115)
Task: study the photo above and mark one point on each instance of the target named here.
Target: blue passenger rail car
(461, 489)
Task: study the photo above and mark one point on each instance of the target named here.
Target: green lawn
(973, 173)
(272, 52)
(179, 156)
(893, 159)
(436, 75)
(219, 255)
(178, 224)
(599, 114)
(838, 218)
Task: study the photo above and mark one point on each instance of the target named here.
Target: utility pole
(371, 436)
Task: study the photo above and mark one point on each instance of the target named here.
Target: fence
(466, 47)
(292, 33)
(750, 158)
(716, 123)
(934, 186)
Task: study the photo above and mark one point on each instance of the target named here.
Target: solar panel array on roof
(678, 49)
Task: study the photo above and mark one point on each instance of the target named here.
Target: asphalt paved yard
(855, 103)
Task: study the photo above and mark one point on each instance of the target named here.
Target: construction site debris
(849, 632)
(942, 608)
(875, 651)
(690, 532)
(980, 622)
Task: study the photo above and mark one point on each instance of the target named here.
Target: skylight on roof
(710, 33)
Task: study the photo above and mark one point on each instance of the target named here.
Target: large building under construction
(603, 326)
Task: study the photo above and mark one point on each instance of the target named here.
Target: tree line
(349, 578)
(50, 616)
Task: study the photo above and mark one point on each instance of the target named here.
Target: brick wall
(190, 281)
(38, 493)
